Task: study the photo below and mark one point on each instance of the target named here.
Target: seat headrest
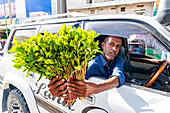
(122, 52)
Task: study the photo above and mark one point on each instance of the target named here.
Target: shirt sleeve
(118, 70)
(88, 72)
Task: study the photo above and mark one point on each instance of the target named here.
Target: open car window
(143, 49)
(141, 41)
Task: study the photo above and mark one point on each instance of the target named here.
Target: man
(108, 65)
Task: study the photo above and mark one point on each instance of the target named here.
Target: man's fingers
(58, 89)
(78, 82)
(58, 85)
(77, 91)
(79, 94)
(79, 87)
(53, 81)
(60, 93)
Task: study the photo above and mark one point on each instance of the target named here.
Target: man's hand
(87, 88)
(58, 87)
(82, 88)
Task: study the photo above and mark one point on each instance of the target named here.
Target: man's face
(111, 47)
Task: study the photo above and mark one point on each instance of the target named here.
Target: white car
(139, 94)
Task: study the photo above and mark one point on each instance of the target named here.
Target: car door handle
(90, 99)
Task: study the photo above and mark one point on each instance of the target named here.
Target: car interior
(145, 71)
(141, 70)
(144, 61)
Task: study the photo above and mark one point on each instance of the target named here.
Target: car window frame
(155, 33)
(79, 22)
(36, 27)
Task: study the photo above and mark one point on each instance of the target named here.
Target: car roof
(150, 20)
(146, 19)
(95, 17)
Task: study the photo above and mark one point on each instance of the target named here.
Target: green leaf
(77, 67)
(28, 74)
(40, 77)
(56, 67)
(49, 61)
(63, 27)
(64, 63)
(46, 33)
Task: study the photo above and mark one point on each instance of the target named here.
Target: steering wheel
(156, 73)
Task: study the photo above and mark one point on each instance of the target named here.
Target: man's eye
(118, 46)
(112, 44)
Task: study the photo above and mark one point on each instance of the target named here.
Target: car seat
(132, 74)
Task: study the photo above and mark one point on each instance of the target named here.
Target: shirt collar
(104, 63)
(103, 60)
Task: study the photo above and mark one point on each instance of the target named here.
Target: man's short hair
(107, 36)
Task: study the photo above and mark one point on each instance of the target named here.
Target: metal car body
(133, 97)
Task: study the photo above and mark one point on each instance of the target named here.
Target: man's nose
(114, 48)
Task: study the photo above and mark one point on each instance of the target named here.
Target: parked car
(140, 93)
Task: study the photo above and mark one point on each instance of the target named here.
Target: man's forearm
(109, 84)
(87, 88)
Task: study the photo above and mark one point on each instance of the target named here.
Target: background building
(22, 9)
(140, 7)
(4, 10)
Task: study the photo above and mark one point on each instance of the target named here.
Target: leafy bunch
(64, 54)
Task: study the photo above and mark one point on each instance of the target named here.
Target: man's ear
(102, 44)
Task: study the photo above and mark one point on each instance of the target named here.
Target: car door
(132, 97)
(129, 98)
